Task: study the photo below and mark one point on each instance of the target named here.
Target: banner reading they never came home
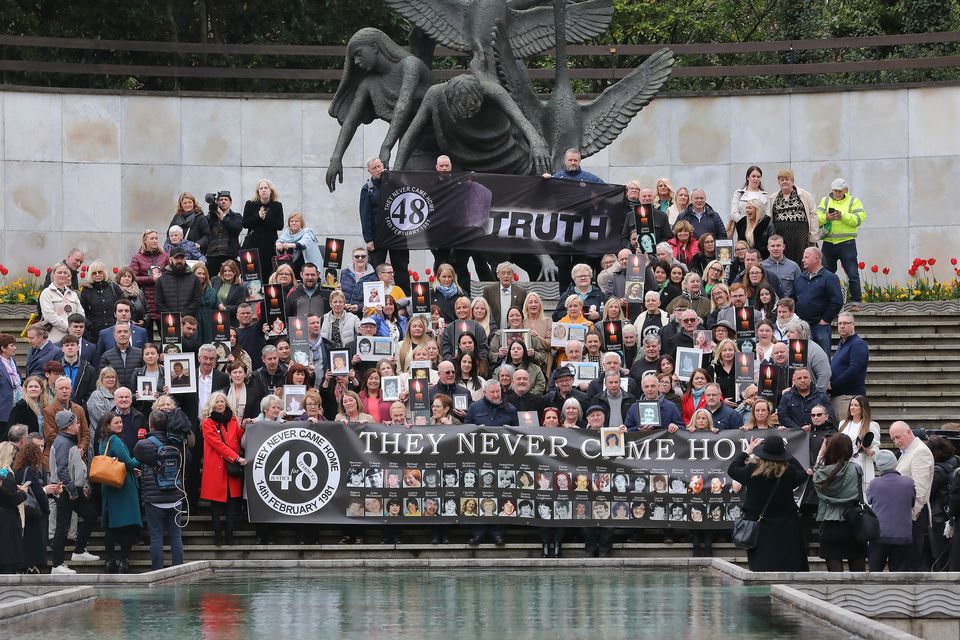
(500, 213)
(330, 473)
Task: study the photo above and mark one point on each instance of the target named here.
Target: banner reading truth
(336, 474)
(501, 213)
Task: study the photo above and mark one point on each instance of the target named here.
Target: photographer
(225, 228)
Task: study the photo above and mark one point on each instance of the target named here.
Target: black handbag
(861, 518)
(234, 470)
(31, 507)
(745, 531)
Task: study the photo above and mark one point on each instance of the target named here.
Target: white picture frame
(373, 294)
(611, 442)
(390, 388)
(180, 373)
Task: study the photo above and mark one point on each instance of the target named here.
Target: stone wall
(95, 170)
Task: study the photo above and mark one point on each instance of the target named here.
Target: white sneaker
(84, 556)
(62, 570)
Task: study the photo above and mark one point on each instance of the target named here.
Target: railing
(183, 66)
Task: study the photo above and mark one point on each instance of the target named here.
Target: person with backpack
(162, 461)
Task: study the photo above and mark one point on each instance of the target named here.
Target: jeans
(158, 521)
(65, 509)
(821, 334)
(846, 253)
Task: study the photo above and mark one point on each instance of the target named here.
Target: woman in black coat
(761, 228)
(767, 470)
(189, 217)
(28, 467)
(99, 299)
(263, 218)
(11, 495)
(230, 294)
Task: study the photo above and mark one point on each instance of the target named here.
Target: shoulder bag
(745, 531)
(860, 517)
(106, 470)
(233, 468)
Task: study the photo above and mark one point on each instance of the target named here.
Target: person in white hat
(840, 216)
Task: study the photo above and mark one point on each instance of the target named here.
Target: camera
(211, 199)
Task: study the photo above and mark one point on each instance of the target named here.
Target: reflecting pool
(548, 604)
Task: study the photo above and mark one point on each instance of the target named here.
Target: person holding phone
(840, 216)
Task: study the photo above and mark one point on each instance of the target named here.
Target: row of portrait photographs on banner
(656, 510)
(561, 481)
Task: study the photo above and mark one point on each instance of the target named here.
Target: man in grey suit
(503, 295)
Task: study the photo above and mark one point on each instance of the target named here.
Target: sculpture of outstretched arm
(347, 131)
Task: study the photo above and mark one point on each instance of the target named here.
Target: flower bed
(919, 287)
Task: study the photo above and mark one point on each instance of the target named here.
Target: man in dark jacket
(67, 467)
(848, 369)
(724, 418)
(491, 410)
(669, 414)
(799, 400)
(891, 497)
(122, 312)
(133, 421)
(41, 350)
(123, 356)
(369, 219)
(225, 227)
(637, 197)
(178, 290)
(160, 505)
(689, 323)
(309, 297)
(563, 378)
(447, 385)
(76, 326)
(615, 401)
(520, 397)
(702, 217)
(271, 375)
(818, 297)
(83, 377)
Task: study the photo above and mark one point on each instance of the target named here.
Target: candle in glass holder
(249, 261)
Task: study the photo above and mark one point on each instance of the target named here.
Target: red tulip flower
(886, 271)
(431, 279)
(427, 270)
(415, 276)
(116, 270)
(932, 261)
(862, 265)
(875, 268)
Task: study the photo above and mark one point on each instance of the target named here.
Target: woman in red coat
(221, 444)
(694, 397)
(147, 266)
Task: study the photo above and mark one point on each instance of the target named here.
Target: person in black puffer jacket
(162, 506)
(98, 299)
(178, 290)
(946, 463)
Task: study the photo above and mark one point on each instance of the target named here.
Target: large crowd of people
(769, 260)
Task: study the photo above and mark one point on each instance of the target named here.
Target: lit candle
(297, 328)
(612, 332)
(420, 298)
(768, 378)
(333, 251)
(418, 391)
(744, 319)
(170, 329)
(743, 364)
(250, 266)
(220, 327)
(797, 351)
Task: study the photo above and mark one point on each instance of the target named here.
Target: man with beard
(178, 290)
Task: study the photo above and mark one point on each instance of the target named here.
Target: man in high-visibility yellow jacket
(840, 216)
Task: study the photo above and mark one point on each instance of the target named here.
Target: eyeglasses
(818, 414)
(361, 256)
(689, 320)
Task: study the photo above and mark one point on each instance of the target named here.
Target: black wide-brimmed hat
(773, 448)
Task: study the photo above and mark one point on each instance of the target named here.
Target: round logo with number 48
(296, 471)
(409, 211)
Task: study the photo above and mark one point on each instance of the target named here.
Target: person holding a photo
(390, 324)
(371, 397)
(590, 296)
(339, 327)
(152, 369)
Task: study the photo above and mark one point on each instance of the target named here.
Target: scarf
(447, 291)
(222, 418)
(131, 291)
(308, 239)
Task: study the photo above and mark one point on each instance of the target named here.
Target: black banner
(331, 473)
(499, 213)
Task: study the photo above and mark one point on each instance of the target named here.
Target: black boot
(111, 566)
(124, 566)
(556, 550)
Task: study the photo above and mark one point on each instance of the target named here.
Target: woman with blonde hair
(793, 211)
(284, 276)
(664, 194)
(683, 243)
(99, 299)
(752, 189)
(857, 424)
(193, 223)
(147, 266)
(681, 202)
(446, 291)
(58, 302)
(702, 420)
(755, 227)
(339, 326)
(298, 244)
(480, 310)
(415, 335)
(263, 218)
(761, 416)
(28, 410)
(221, 447)
(349, 409)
